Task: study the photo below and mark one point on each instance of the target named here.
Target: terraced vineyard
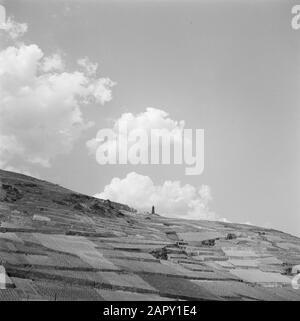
(56, 244)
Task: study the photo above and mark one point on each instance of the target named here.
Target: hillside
(56, 244)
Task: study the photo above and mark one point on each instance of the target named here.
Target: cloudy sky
(71, 68)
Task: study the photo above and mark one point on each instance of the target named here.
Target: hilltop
(56, 244)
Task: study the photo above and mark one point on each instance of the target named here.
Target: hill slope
(56, 244)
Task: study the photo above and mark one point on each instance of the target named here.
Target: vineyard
(58, 245)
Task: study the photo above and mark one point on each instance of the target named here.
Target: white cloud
(90, 67)
(2, 15)
(170, 199)
(41, 104)
(149, 137)
(152, 118)
(52, 63)
(13, 28)
(101, 89)
(9, 147)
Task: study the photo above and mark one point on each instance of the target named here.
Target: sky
(71, 68)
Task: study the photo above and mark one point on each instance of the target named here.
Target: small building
(231, 236)
(41, 218)
(181, 244)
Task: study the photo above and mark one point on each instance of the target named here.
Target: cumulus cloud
(149, 137)
(90, 67)
(127, 123)
(41, 104)
(52, 63)
(170, 199)
(151, 118)
(9, 147)
(12, 28)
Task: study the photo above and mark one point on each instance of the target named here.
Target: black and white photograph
(149, 151)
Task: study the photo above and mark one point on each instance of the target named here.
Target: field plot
(28, 237)
(289, 258)
(135, 247)
(139, 256)
(223, 264)
(60, 292)
(208, 274)
(38, 259)
(57, 260)
(10, 237)
(179, 288)
(97, 261)
(145, 267)
(272, 268)
(10, 295)
(26, 288)
(13, 258)
(109, 295)
(11, 225)
(127, 280)
(79, 246)
(240, 253)
(68, 244)
(30, 248)
(271, 264)
(195, 266)
(237, 290)
(289, 246)
(274, 238)
(270, 260)
(199, 236)
(243, 263)
(178, 268)
(284, 293)
(219, 288)
(71, 276)
(131, 240)
(7, 246)
(258, 276)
